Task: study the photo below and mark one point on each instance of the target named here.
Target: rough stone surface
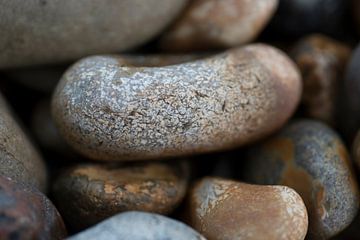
(322, 63)
(19, 160)
(310, 158)
(139, 226)
(224, 210)
(25, 213)
(349, 116)
(87, 194)
(107, 111)
(207, 24)
(158, 60)
(43, 31)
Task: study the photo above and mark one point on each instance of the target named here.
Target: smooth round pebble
(19, 160)
(25, 213)
(87, 194)
(207, 24)
(139, 226)
(222, 209)
(310, 157)
(108, 111)
(322, 63)
(43, 31)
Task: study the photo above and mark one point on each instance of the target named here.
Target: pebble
(139, 226)
(25, 213)
(223, 209)
(322, 63)
(19, 160)
(297, 18)
(349, 117)
(310, 157)
(207, 24)
(88, 193)
(108, 111)
(42, 31)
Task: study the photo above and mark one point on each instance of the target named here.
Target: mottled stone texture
(49, 31)
(139, 225)
(87, 194)
(19, 160)
(25, 213)
(322, 63)
(224, 210)
(349, 116)
(108, 111)
(311, 158)
(207, 24)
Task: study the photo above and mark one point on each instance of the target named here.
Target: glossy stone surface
(310, 157)
(87, 194)
(41, 32)
(108, 111)
(223, 209)
(207, 24)
(322, 63)
(25, 213)
(19, 160)
(139, 226)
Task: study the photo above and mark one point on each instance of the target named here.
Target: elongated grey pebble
(139, 226)
(48, 31)
(19, 160)
(108, 111)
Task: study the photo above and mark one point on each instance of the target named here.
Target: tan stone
(227, 210)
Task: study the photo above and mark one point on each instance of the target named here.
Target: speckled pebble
(52, 31)
(25, 213)
(222, 209)
(108, 111)
(310, 157)
(19, 160)
(322, 63)
(207, 24)
(139, 226)
(87, 194)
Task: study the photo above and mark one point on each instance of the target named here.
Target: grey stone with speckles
(109, 111)
(310, 157)
(139, 226)
(49, 31)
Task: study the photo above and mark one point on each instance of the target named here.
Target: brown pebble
(87, 194)
(19, 160)
(222, 209)
(108, 111)
(25, 213)
(207, 24)
(322, 63)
